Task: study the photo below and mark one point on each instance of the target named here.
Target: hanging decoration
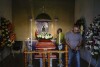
(7, 34)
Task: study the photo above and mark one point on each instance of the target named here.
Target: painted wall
(87, 9)
(22, 9)
(84, 8)
(6, 9)
(96, 7)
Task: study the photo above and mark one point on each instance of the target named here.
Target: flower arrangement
(7, 34)
(93, 38)
(44, 35)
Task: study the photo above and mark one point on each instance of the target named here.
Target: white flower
(90, 46)
(98, 42)
(96, 24)
(90, 41)
(95, 52)
(51, 36)
(91, 34)
(46, 37)
(42, 36)
(92, 53)
(95, 47)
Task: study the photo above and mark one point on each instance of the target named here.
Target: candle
(31, 32)
(59, 38)
(30, 61)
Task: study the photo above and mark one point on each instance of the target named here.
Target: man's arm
(79, 44)
(67, 42)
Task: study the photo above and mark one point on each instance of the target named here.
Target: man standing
(73, 40)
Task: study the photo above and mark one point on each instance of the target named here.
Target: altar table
(45, 46)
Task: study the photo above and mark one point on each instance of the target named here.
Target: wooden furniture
(45, 46)
(38, 52)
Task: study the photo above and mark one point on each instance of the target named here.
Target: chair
(17, 46)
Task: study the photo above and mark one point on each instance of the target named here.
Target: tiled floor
(18, 61)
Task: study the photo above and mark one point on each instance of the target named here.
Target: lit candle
(28, 41)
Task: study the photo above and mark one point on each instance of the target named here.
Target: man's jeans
(71, 55)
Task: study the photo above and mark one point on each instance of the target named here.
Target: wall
(96, 7)
(84, 8)
(87, 9)
(63, 9)
(5, 11)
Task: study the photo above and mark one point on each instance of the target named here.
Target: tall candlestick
(59, 38)
(31, 31)
(30, 61)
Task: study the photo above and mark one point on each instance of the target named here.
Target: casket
(45, 45)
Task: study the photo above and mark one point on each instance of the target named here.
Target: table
(42, 50)
(53, 51)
